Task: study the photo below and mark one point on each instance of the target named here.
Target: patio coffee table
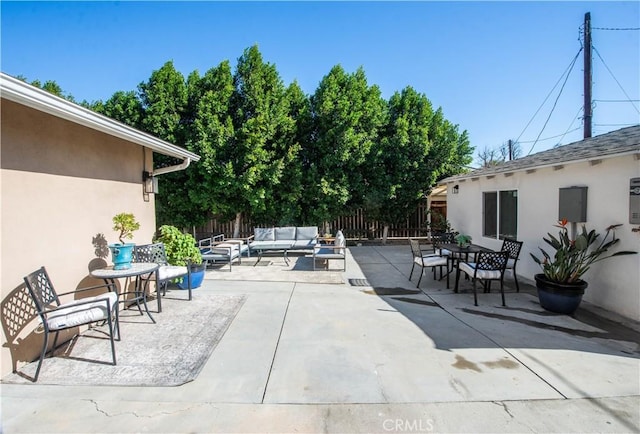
(285, 247)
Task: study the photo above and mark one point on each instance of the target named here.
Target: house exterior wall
(61, 185)
(614, 284)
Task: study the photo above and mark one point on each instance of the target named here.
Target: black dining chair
(56, 316)
(427, 258)
(166, 273)
(512, 247)
(488, 266)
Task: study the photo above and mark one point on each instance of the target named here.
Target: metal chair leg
(475, 294)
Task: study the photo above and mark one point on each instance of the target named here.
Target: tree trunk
(385, 233)
(236, 225)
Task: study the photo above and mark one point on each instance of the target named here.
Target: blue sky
(489, 65)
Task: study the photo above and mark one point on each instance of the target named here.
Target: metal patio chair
(56, 316)
(166, 273)
(427, 258)
(513, 247)
(488, 266)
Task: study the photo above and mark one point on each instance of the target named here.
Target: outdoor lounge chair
(335, 251)
(425, 258)
(56, 316)
(488, 266)
(218, 249)
(513, 248)
(166, 273)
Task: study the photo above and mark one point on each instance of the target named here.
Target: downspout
(185, 163)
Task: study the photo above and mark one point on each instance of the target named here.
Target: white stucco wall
(613, 284)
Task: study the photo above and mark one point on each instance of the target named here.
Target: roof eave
(20, 92)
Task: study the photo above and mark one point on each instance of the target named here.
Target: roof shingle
(616, 143)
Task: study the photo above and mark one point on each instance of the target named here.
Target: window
(500, 214)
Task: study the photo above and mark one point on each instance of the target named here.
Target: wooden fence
(356, 226)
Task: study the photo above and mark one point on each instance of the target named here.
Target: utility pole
(587, 75)
(510, 150)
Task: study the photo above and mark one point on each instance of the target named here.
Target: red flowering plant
(573, 258)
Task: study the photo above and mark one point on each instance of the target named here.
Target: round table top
(137, 268)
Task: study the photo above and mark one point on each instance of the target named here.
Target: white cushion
(166, 272)
(434, 261)
(327, 253)
(340, 241)
(443, 252)
(285, 233)
(264, 234)
(470, 268)
(71, 314)
(306, 232)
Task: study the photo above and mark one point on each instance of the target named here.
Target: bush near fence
(354, 227)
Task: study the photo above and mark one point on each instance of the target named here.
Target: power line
(615, 125)
(616, 100)
(550, 92)
(552, 137)
(614, 77)
(555, 102)
(615, 28)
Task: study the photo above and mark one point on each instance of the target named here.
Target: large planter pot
(121, 255)
(197, 276)
(559, 297)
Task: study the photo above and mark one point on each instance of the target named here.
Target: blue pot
(197, 276)
(559, 297)
(121, 255)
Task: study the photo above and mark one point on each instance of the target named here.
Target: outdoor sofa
(284, 238)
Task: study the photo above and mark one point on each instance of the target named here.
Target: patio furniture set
(478, 263)
(218, 249)
(150, 264)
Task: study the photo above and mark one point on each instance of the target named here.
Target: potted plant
(181, 249)
(560, 285)
(125, 224)
(463, 240)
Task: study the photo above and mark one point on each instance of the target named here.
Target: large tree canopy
(347, 115)
(273, 154)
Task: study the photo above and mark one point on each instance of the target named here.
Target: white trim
(23, 93)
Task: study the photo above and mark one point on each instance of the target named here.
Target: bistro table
(458, 252)
(137, 270)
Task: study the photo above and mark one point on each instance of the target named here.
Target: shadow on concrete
(452, 321)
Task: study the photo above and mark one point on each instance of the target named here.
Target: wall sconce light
(150, 183)
(455, 189)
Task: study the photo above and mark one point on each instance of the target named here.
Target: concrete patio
(371, 354)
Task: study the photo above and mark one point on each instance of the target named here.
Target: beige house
(65, 172)
(595, 179)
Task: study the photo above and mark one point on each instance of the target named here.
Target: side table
(138, 269)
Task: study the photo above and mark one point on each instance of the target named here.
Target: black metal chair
(425, 258)
(56, 316)
(512, 247)
(166, 273)
(488, 266)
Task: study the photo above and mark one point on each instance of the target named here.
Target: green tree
(124, 107)
(417, 148)
(211, 135)
(164, 104)
(347, 114)
(262, 148)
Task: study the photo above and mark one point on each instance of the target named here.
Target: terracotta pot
(559, 297)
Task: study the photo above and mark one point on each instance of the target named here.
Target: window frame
(496, 222)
